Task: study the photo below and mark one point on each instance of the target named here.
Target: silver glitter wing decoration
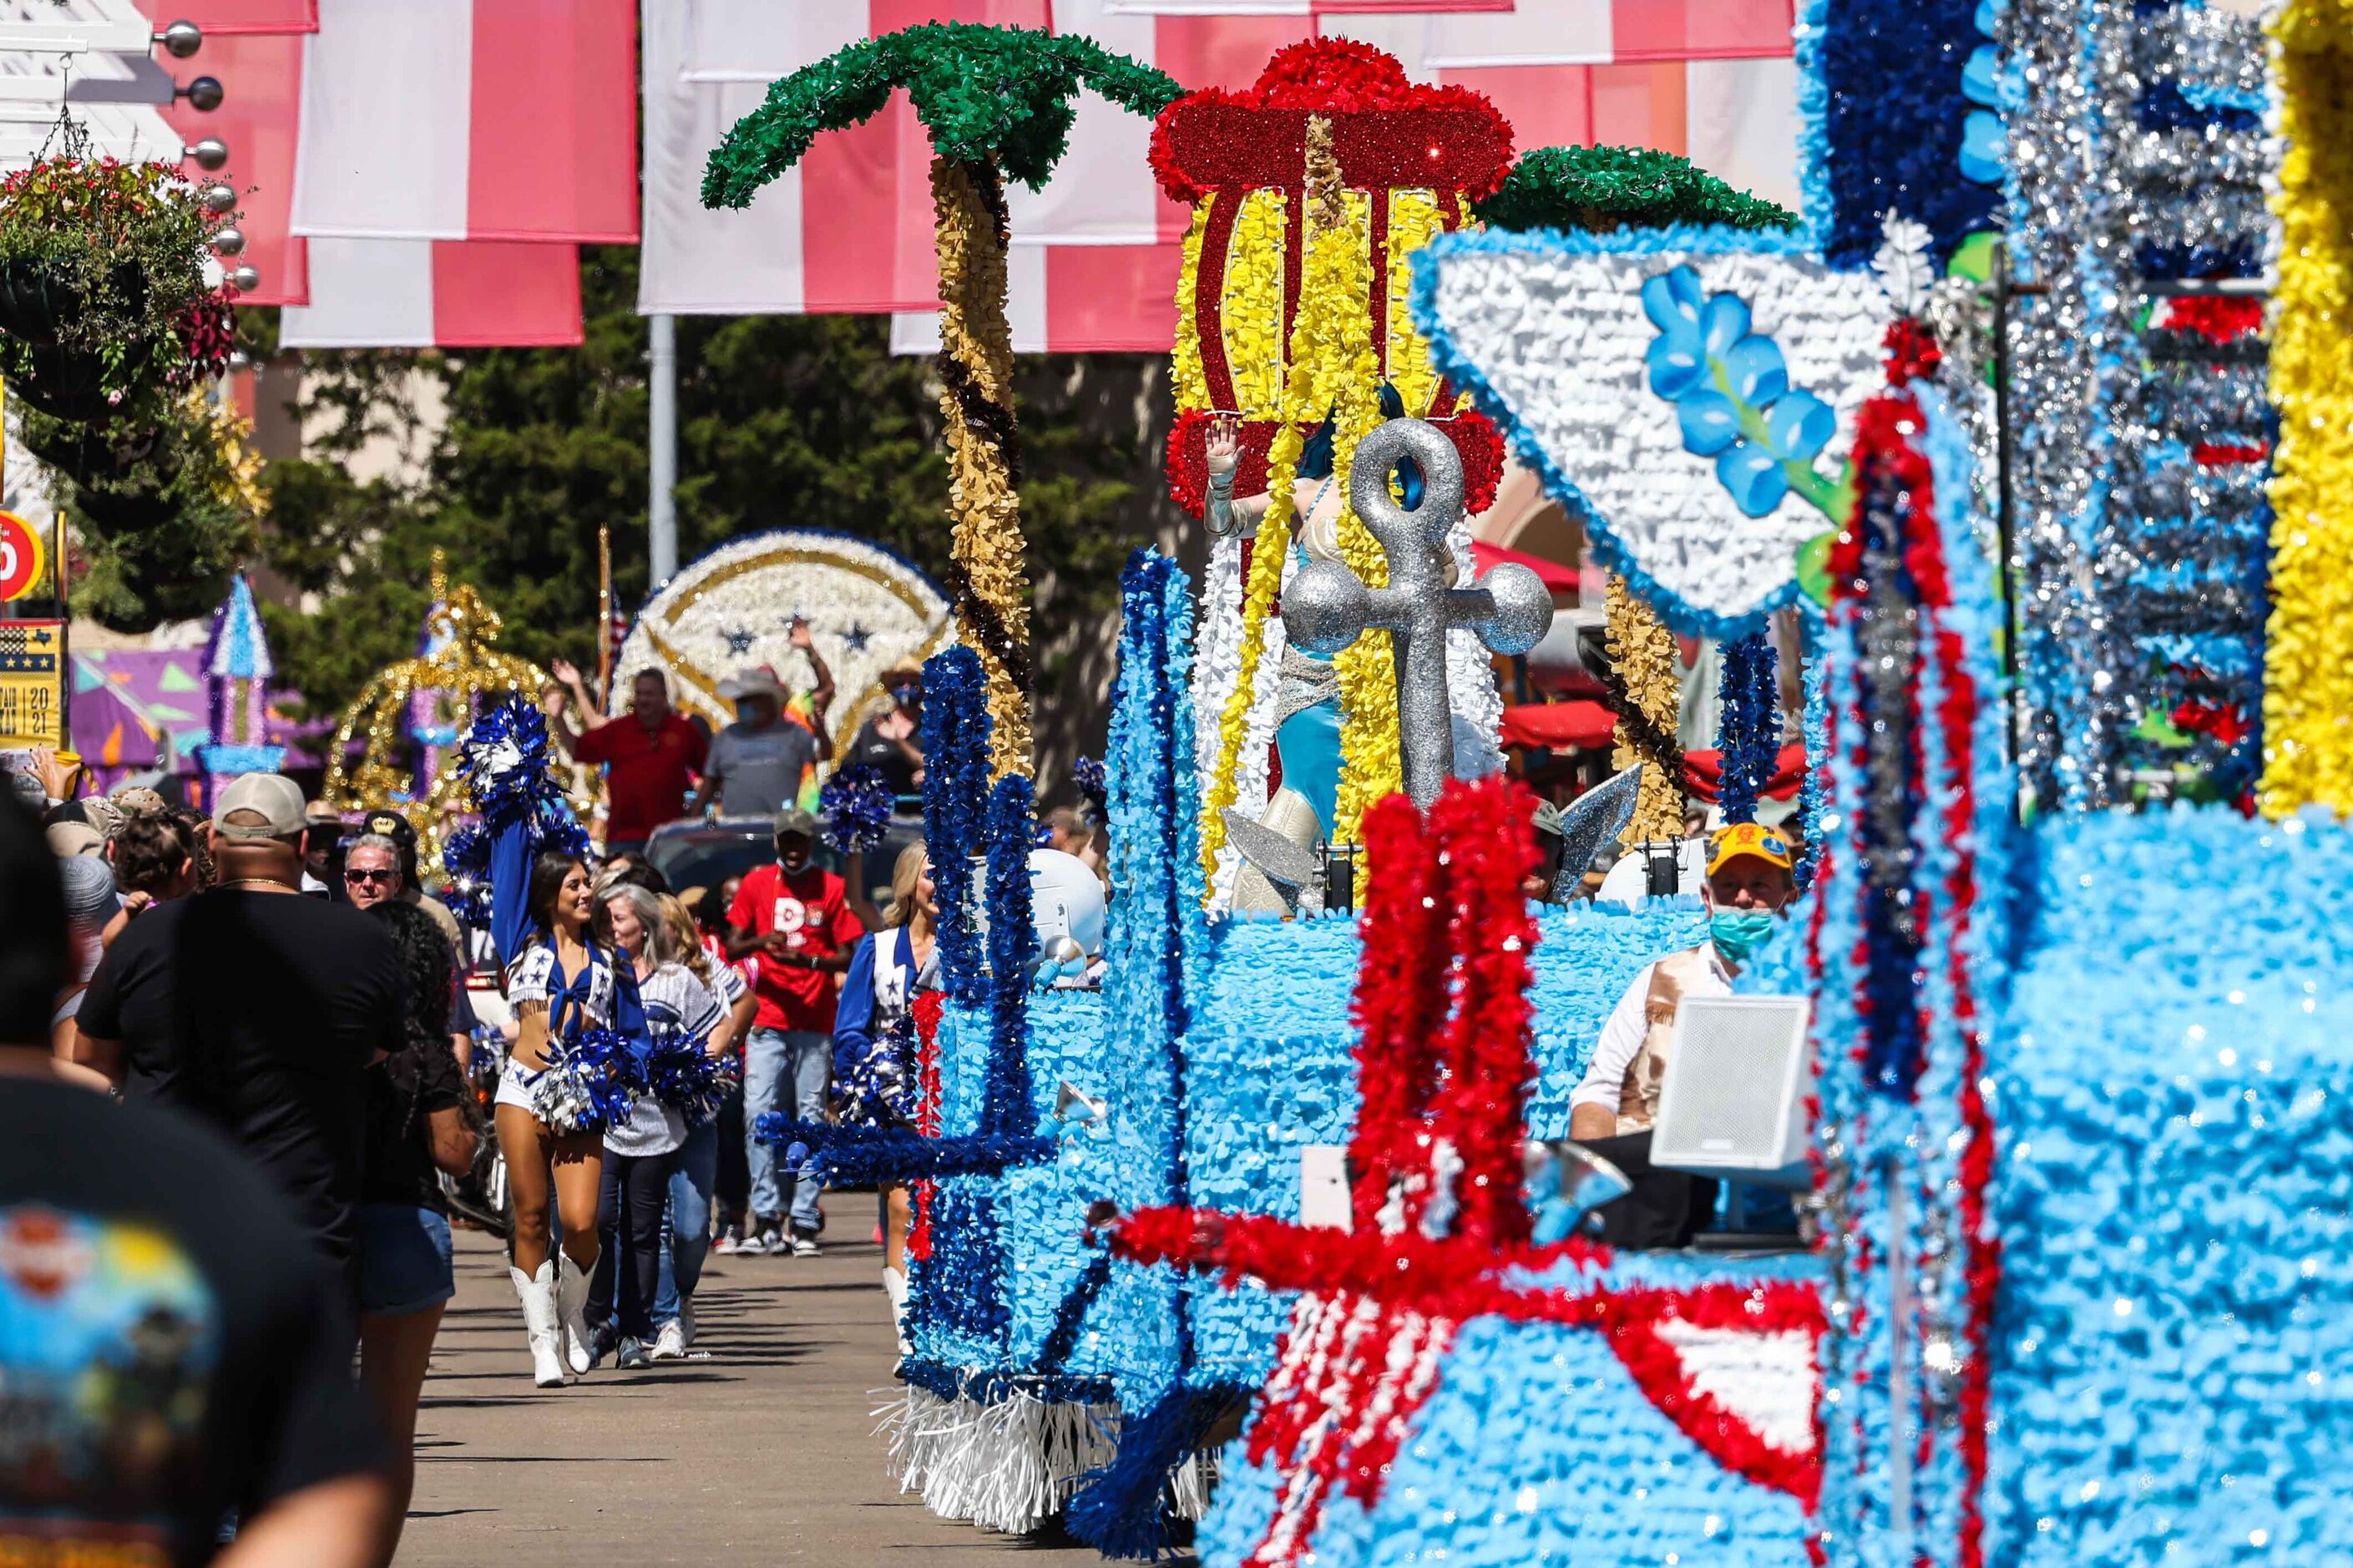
(1588, 822)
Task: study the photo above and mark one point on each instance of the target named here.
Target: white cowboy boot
(894, 1286)
(537, 1293)
(571, 1302)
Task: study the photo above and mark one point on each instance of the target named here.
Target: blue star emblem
(740, 640)
(857, 638)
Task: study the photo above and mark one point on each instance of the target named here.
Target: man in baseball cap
(258, 806)
(762, 761)
(795, 915)
(257, 1009)
(1751, 877)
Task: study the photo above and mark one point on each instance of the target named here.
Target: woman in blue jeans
(415, 1121)
(686, 1231)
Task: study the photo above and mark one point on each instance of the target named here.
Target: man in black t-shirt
(257, 1009)
(175, 1355)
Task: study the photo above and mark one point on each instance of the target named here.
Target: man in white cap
(257, 1009)
(756, 764)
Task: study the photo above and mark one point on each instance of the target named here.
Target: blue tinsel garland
(1751, 733)
(855, 1156)
(855, 808)
(1005, 1107)
(1894, 117)
(1817, 745)
(955, 730)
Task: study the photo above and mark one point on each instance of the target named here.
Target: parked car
(693, 853)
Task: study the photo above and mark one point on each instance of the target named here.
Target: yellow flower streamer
(2309, 653)
(1251, 305)
(1185, 370)
(977, 401)
(1643, 652)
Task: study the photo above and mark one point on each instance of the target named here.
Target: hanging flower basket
(108, 290)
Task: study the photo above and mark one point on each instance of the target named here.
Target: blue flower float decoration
(1733, 398)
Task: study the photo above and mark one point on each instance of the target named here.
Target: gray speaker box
(1733, 1103)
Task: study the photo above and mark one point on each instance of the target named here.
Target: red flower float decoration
(1389, 135)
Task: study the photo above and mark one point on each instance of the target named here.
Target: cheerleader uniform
(588, 999)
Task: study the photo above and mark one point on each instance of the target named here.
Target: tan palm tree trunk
(975, 371)
(1643, 688)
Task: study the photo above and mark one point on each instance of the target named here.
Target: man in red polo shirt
(650, 758)
(795, 915)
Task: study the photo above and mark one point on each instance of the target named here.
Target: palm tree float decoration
(997, 102)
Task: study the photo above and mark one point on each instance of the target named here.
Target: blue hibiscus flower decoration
(1731, 390)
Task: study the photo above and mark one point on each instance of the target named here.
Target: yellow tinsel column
(975, 371)
(2308, 649)
(1643, 676)
(1333, 371)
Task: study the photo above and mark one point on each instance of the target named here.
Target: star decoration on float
(855, 639)
(740, 640)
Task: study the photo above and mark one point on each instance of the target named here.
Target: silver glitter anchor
(1325, 607)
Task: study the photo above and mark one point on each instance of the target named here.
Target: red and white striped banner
(260, 72)
(1294, 7)
(469, 120)
(428, 293)
(237, 18)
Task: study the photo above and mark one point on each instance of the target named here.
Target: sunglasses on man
(354, 875)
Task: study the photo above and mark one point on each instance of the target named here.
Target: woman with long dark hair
(562, 978)
(875, 1053)
(415, 1121)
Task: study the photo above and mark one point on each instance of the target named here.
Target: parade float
(408, 722)
(868, 610)
(2075, 1282)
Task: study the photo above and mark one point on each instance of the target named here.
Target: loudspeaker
(1733, 1102)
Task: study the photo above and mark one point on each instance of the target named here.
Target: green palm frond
(1603, 187)
(999, 97)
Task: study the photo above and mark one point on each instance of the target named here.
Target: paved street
(761, 1452)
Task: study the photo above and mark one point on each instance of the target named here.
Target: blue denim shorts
(404, 1259)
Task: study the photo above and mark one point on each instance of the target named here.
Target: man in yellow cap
(1750, 879)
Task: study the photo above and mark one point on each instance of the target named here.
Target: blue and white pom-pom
(589, 1085)
(879, 1089)
(1094, 782)
(683, 1075)
(855, 807)
(466, 856)
(507, 754)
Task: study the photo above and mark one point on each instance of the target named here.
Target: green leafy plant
(1611, 187)
(104, 289)
(163, 511)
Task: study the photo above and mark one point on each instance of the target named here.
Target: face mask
(748, 711)
(1739, 933)
(904, 696)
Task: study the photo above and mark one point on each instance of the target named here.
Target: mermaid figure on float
(1307, 710)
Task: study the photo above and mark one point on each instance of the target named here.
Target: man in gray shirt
(755, 763)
